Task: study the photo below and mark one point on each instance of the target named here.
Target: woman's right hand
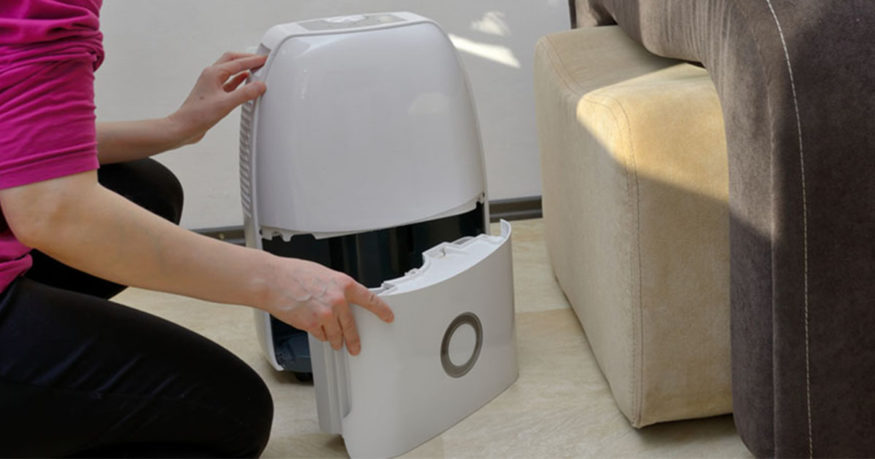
(318, 300)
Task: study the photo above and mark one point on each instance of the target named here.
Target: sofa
(634, 197)
(795, 83)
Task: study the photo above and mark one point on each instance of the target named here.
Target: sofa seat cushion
(635, 187)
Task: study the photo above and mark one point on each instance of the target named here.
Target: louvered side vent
(246, 192)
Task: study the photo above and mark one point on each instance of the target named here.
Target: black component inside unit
(370, 258)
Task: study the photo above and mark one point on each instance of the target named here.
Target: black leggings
(83, 376)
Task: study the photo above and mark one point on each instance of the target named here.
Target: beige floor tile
(535, 288)
(559, 407)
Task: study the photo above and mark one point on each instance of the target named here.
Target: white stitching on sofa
(804, 228)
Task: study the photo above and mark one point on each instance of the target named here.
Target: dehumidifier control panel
(346, 22)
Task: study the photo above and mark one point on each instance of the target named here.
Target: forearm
(78, 222)
(121, 141)
(103, 234)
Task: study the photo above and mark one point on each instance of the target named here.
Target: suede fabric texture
(635, 187)
(796, 82)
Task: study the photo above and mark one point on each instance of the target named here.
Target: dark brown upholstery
(796, 81)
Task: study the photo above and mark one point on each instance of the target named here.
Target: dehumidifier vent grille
(246, 118)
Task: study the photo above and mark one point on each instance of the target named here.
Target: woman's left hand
(218, 91)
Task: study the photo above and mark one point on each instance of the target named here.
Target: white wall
(156, 49)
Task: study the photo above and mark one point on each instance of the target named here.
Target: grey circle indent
(457, 371)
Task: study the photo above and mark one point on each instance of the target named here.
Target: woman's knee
(147, 183)
(262, 408)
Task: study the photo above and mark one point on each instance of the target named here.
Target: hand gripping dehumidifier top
(364, 154)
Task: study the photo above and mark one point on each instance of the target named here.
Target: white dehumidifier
(364, 155)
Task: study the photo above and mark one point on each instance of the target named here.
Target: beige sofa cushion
(635, 188)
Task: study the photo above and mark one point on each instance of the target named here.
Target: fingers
(337, 323)
(319, 333)
(235, 81)
(237, 69)
(337, 326)
(246, 93)
(242, 64)
(331, 326)
(347, 326)
(230, 56)
(363, 297)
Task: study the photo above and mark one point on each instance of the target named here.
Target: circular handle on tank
(453, 370)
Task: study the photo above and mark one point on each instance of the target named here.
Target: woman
(80, 375)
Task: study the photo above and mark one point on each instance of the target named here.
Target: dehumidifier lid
(367, 123)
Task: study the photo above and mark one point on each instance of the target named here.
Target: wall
(156, 49)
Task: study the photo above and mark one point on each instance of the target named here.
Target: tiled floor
(559, 407)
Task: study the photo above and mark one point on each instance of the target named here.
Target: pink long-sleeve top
(49, 50)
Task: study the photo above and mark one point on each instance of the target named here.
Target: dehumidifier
(364, 155)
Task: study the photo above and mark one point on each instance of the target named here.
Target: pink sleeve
(47, 120)
(48, 53)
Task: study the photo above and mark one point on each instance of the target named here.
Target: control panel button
(346, 19)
